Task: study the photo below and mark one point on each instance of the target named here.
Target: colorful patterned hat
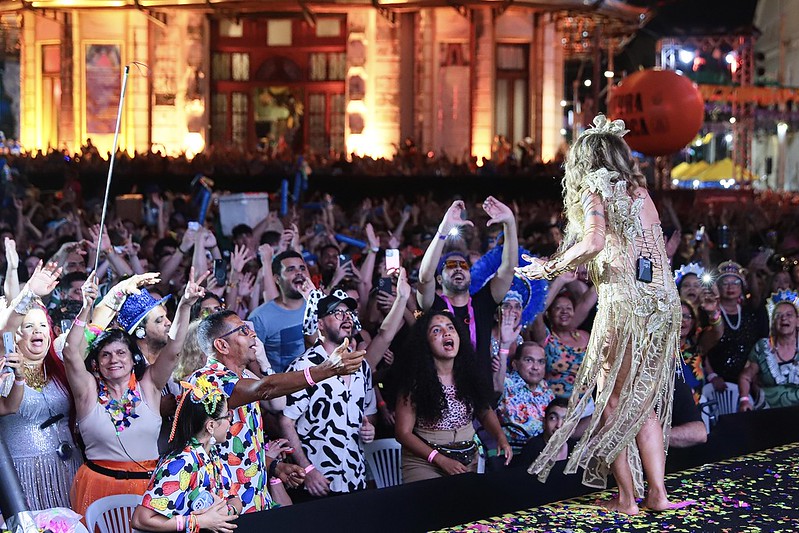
(691, 268)
(731, 268)
(136, 307)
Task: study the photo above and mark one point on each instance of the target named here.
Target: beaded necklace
(727, 318)
(121, 411)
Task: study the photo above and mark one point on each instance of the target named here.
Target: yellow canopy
(724, 169)
(691, 171)
(679, 170)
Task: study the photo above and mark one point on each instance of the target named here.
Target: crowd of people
(223, 374)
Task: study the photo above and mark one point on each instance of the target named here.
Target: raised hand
(133, 284)
(266, 253)
(403, 287)
(104, 244)
(498, 212)
(44, 279)
(14, 361)
(455, 217)
(374, 242)
(241, 256)
(508, 331)
(12, 257)
(194, 291)
(89, 291)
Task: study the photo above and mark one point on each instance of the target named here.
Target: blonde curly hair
(593, 150)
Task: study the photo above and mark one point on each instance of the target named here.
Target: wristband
(180, 522)
(745, 399)
(275, 481)
(309, 468)
(78, 322)
(712, 376)
(432, 456)
(504, 351)
(441, 237)
(308, 378)
(19, 382)
(381, 403)
(374, 249)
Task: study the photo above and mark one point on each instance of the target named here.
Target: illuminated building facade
(327, 76)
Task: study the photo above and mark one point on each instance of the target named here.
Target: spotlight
(730, 58)
(675, 182)
(609, 73)
(686, 56)
(732, 120)
(587, 83)
(563, 103)
(728, 137)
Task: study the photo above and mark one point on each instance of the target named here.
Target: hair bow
(202, 391)
(603, 125)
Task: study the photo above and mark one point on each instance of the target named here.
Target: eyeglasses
(453, 263)
(730, 282)
(687, 316)
(780, 316)
(341, 313)
(244, 329)
(228, 416)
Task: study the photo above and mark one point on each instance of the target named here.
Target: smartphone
(8, 342)
(220, 272)
(194, 226)
(700, 233)
(344, 258)
(385, 285)
(65, 325)
(392, 260)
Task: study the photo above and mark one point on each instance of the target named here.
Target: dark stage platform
(448, 502)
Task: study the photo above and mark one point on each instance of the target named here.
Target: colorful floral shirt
(521, 409)
(563, 363)
(244, 451)
(187, 481)
(692, 369)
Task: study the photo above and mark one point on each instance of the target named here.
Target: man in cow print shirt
(327, 423)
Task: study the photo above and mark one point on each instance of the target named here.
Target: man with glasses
(278, 323)
(230, 345)
(327, 423)
(452, 271)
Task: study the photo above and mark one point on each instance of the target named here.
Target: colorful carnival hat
(531, 293)
(731, 268)
(136, 307)
(691, 268)
(781, 297)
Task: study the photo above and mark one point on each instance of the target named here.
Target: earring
(140, 333)
(212, 440)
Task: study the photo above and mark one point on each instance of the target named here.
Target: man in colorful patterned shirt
(525, 395)
(328, 422)
(230, 346)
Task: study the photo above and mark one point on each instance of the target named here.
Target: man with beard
(326, 423)
(452, 271)
(278, 323)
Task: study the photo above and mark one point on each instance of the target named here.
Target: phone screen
(392, 260)
(220, 271)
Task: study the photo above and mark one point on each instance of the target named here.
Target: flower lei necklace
(121, 411)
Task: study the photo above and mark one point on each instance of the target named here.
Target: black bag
(462, 451)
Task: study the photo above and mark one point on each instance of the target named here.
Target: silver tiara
(603, 125)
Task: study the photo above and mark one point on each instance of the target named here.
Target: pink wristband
(504, 351)
(181, 523)
(308, 377)
(275, 481)
(309, 468)
(432, 456)
(19, 382)
(78, 322)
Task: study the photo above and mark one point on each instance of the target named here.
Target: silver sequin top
(21, 430)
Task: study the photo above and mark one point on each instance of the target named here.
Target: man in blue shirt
(278, 323)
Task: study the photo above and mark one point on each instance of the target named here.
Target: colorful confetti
(752, 493)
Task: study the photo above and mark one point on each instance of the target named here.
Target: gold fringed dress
(634, 342)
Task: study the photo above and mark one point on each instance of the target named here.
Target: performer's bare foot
(617, 505)
(660, 502)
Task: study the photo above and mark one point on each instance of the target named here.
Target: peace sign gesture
(193, 290)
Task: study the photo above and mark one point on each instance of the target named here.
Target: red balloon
(662, 109)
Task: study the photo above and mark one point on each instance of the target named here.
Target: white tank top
(138, 442)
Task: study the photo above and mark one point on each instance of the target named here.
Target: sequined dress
(634, 342)
(45, 477)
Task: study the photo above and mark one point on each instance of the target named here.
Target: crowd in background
(260, 362)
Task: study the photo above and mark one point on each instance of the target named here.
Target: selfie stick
(13, 504)
(111, 168)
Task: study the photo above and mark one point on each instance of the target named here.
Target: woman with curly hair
(441, 392)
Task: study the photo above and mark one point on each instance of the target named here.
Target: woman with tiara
(613, 226)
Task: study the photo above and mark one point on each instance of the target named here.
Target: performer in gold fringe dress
(613, 226)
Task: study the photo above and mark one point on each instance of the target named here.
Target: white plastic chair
(112, 514)
(385, 461)
(726, 400)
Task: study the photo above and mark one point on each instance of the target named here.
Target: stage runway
(755, 492)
